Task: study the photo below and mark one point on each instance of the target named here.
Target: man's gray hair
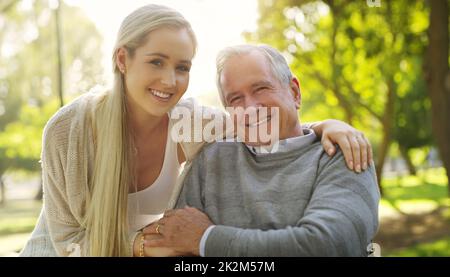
(277, 62)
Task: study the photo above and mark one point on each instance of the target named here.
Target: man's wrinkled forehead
(246, 68)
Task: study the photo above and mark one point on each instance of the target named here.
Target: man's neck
(296, 131)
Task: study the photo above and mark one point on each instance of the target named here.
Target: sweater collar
(285, 145)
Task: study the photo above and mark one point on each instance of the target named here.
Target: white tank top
(149, 204)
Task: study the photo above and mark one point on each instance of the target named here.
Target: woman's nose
(168, 78)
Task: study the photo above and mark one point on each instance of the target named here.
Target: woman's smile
(160, 95)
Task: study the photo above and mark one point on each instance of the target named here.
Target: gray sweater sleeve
(340, 220)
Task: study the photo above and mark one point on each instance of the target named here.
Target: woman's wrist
(138, 245)
(315, 126)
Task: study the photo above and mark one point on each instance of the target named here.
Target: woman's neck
(144, 125)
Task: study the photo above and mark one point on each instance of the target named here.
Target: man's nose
(252, 102)
(168, 78)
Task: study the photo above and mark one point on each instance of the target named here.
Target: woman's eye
(184, 68)
(156, 62)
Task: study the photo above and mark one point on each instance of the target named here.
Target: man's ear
(296, 92)
(121, 59)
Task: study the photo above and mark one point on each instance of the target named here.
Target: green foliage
(28, 73)
(413, 116)
(20, 142)
(347, 57)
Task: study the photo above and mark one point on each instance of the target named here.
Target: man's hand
(354, 145)
(180, 230)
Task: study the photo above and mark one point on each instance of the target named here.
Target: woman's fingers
(169, 213)
(356, 153)
(346, 148)
(328, 145)
(154, 228)
(364, 148)
(369, 151)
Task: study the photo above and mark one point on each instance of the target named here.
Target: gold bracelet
(141, 245)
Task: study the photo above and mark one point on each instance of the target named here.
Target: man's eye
(235, 99)
(260, 89)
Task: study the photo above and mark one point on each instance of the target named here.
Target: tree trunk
(411, 168)
(59, 55)
(384, 148)
(438, 78)
(387, 131)
(40, 192)
(7, 6)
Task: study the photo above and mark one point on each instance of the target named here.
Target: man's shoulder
(334, 169)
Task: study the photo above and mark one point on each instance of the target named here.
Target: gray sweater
(296, 203)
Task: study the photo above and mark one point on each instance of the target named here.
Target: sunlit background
(357, 61)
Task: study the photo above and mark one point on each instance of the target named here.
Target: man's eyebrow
(167, 57)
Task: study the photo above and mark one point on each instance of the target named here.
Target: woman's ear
(296, 92)
(121, 59)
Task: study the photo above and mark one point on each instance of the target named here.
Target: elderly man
(247, 200)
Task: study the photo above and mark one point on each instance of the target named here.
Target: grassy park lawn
(415, 215)
(17, 220)
(438, 248)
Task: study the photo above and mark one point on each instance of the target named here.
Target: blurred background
(382, 66)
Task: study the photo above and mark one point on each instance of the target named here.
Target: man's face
(247, 81)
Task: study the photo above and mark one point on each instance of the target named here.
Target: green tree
(412, 128)
(20, 141)
(349, 56)
(30, 66)
(29, 71)
(438, 77)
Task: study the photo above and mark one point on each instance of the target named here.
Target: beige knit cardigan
(67, 163)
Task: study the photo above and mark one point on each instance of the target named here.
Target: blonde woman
(109, 164)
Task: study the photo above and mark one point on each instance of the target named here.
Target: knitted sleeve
(62, 203)
(195, 126)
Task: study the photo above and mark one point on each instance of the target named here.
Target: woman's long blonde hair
(106, 218)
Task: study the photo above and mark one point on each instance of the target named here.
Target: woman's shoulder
(190, 113)
(70, 116)
(193, 105)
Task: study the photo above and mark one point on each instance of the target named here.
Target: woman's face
(157, 75)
